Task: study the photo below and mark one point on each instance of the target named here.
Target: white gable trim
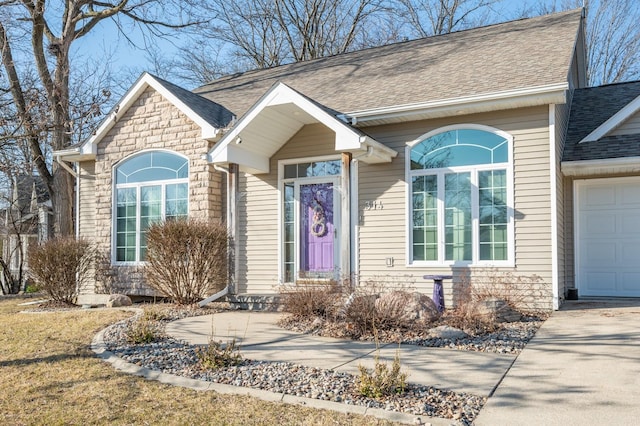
(89, 148)
(244, 146)
(614, 121)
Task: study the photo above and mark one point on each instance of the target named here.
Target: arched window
(149, 187)
(460, 195)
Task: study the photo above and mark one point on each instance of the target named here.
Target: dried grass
(55, 378)
(313, 298)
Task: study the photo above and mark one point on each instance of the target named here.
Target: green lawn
(50, 376)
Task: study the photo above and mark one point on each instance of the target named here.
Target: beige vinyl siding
(383, 233)
(87, 211)
(577, 75)
(258, 208)
(631, 126)
(87, 197)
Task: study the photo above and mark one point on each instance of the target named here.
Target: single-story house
(444, 155)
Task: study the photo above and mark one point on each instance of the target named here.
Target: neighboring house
(26, 220)
(434, 156)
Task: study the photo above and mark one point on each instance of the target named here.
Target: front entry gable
(278, 115)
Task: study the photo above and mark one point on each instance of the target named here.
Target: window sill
(116, 263)
(501, 264)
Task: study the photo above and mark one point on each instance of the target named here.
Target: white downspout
(225, 290)
(76, 175)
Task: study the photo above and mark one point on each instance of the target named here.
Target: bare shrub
(363, 314)
(217, 355)
(520, 292)
(517, 291)
(61, 266)
(316, 298)
(382, 381)
(187, 259)
(468, 318)
(144, 329)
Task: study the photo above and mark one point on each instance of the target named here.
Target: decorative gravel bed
(171, 356)
(511, 338)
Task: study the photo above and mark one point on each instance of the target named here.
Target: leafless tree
(433, 17)
(613, 41)
(45, 34)
(268, 33)
(612, 36)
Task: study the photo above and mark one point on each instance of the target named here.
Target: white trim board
(89, 148)
(253, 140)
(553, 174)
(614, 121)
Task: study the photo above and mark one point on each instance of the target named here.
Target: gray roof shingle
(589, 109)
(514, 55)
(214, 113)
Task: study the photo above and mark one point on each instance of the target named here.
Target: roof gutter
(607, 166)
(64, 164)
(532, 96)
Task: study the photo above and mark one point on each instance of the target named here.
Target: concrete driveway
(581, 368)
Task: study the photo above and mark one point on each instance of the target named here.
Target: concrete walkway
(261, 339)
(582, 368)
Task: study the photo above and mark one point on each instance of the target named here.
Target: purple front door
(317, 231)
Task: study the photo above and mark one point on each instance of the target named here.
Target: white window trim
(510, 262)
(280, 195)
(138, 186)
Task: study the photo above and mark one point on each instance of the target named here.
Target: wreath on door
(319, 225)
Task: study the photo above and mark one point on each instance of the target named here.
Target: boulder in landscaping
(498, 309)
(118, 300)
(405, 307)
(447, 332)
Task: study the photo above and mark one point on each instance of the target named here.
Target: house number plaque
(373, 205)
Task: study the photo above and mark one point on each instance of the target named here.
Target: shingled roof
(520, 54)
(214, 113)
(590, 108)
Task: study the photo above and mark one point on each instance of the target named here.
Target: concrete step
(256, 302)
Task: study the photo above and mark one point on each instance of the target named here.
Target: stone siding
(153, 123)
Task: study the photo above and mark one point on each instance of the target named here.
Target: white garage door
(608, 237)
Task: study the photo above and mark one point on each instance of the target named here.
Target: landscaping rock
(499, 309)
(407, 307)
(118, 300)
(447, 332)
